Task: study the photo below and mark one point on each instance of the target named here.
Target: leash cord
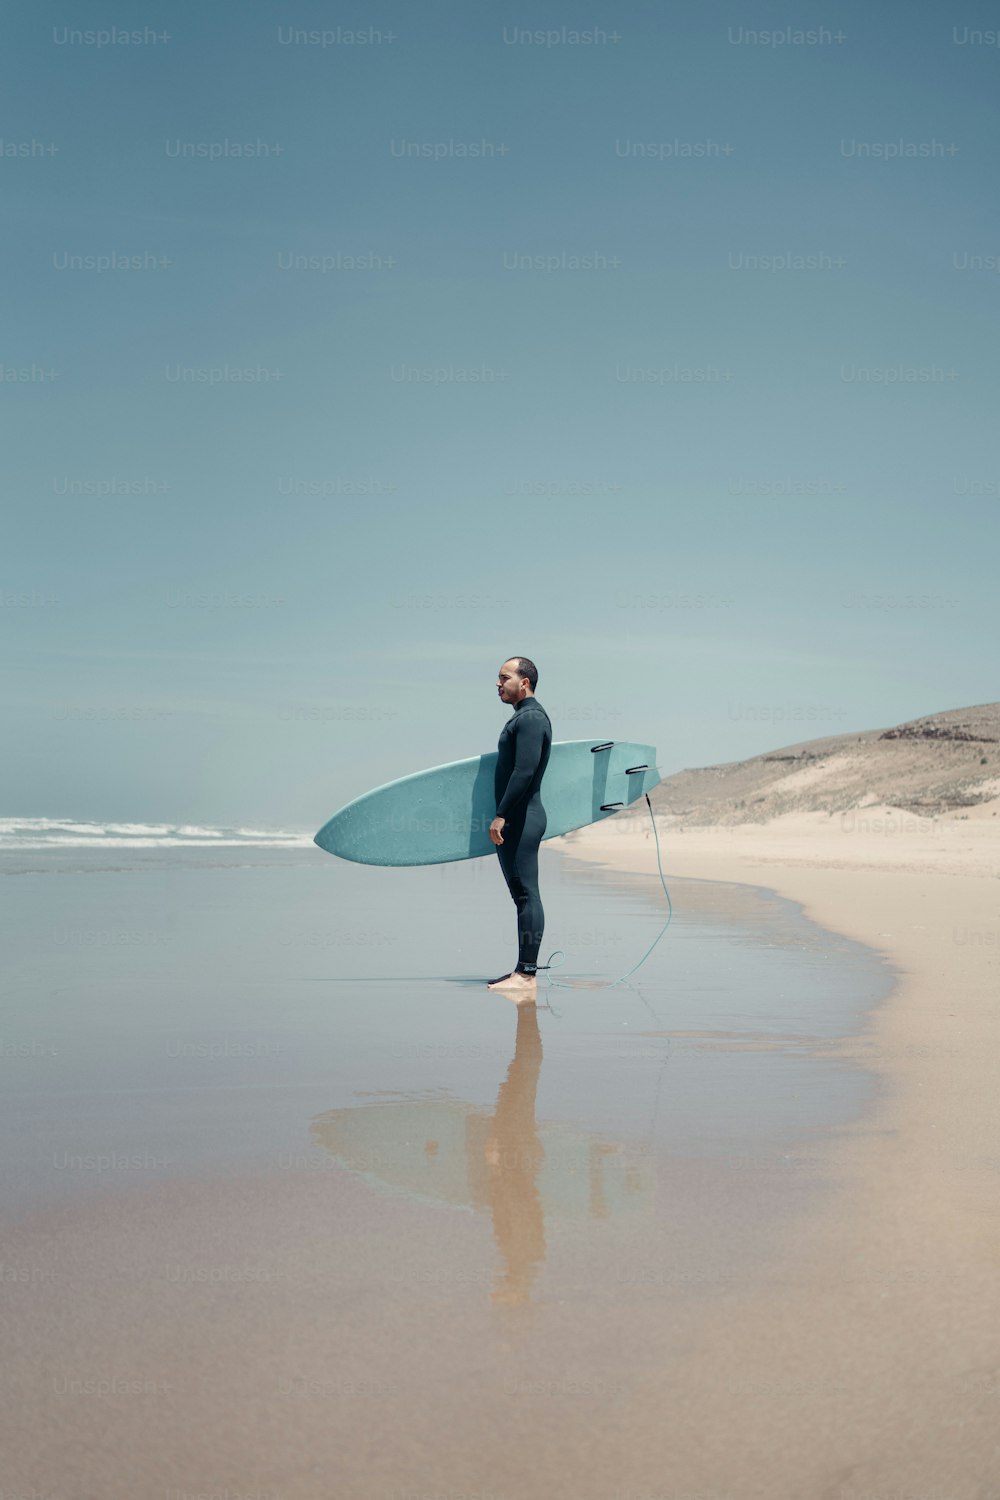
(561, 984)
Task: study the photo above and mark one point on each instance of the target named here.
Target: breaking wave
(75, 833)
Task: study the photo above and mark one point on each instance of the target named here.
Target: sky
(351, 350)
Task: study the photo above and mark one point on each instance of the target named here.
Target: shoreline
(267, 1325)
(888, 1314)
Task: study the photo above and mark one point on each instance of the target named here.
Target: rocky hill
(947, 765)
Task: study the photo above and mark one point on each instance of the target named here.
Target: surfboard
(443, 814)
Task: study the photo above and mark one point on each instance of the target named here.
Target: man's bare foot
(518, 986)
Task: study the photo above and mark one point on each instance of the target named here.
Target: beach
(684, 1250)
(874, 1369)
(347, 354)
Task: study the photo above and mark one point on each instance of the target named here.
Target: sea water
(183, 1004)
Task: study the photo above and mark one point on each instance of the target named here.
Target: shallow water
(205, 1011)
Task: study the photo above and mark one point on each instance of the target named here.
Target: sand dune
(943, 766)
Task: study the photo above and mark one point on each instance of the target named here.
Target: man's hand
(495, 828)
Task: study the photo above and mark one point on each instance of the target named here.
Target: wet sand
(309, 1332)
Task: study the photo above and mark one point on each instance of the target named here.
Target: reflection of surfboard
(445, 813)
(442, 1150)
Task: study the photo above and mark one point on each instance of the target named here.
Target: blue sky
(732, 482)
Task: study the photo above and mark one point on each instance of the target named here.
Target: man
(517, 830)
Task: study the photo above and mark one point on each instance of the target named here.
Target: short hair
(526, 668)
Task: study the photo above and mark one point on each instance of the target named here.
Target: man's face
(509, 682)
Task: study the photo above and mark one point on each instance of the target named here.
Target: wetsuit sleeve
(529, 742)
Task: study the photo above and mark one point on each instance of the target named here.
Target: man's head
(517, 679)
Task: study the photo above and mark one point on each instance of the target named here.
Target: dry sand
(875, 1369)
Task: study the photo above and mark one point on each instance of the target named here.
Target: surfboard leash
(560, 984)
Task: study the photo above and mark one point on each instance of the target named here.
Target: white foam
(68, 833)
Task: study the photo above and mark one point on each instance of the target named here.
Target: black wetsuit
(522, 755)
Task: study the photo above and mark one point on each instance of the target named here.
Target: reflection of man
(513, 1156)
(517, 830)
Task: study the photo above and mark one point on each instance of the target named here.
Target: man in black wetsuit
(517, 830)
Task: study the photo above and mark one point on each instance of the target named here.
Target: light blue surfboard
(443, 814)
